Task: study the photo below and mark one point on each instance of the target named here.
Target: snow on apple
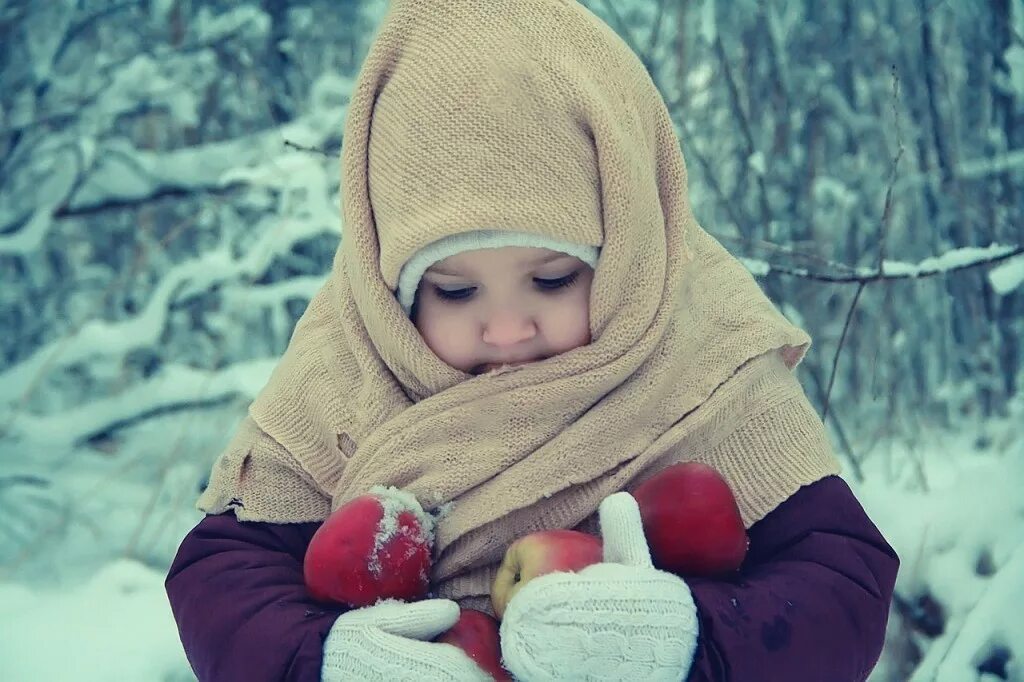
(376, 546)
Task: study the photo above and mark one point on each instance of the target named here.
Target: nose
(508, 326)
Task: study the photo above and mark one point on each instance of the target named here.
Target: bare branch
(839, 349)
(887, 209)
(744, 227)
(655, 37)
(844, 441)
(74, 31)
(314, 150)
(778, 248)
(886, 219)
(744, 122)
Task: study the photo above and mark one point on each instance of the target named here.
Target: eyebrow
(540, 261)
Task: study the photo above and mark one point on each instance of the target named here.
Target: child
(523, 320)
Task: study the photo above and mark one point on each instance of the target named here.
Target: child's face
(484, 308)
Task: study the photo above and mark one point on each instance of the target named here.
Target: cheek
(447, 333)
(569, 326)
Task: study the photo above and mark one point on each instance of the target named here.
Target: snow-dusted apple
(691, 521)
(537, 554)
(376, 546)
(476, 633)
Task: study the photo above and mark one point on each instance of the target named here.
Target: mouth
(501, 367)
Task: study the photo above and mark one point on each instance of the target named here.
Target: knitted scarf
(526, 115)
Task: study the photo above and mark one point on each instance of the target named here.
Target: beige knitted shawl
(528, 115)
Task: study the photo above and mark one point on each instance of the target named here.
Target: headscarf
(529, 116)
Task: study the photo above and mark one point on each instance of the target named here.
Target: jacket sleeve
(811, 601)
(237, 594)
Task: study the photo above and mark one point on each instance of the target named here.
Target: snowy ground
(87, 603)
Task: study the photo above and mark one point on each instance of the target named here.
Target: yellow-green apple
(691, 521)
(376, 546)
(538, 553)
(476, 633)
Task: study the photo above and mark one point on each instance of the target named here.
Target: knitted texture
(618, 620)
(527, 115)
(412, 271)
(385, 643)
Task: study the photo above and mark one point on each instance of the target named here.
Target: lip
(492, 366)
(499, 365)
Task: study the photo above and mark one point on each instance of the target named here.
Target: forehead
(523, 257)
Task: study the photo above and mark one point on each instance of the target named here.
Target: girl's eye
(560, 283)
(454, 294)
(542, 284)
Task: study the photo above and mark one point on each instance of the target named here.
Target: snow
(999, 163)
(124, 173)
(830, 190)
(117, 626)
(988, 624)
(757, 163)
(1008, 276)
(950, 260)
(174, 385)
(46, 31)
(210, 27)
(143, 79)
(708, 28)
(954, 513)
(756, 266)
(1004, 277)
(394, 502)
(1014, 57)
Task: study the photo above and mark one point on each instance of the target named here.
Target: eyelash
(547, 285)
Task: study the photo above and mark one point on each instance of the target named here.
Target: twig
(652, 42)
(779, 248)
(734, 95)
(839, 349)
(887, 209)
(127, 422)
(314, 150)
(744, 227)
(884, 228)
(171, 457)
(844, 442)
(23, 479)
(74, 31)
(743, 119)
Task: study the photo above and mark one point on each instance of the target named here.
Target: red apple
(691, 521)
(377, 546)
(539, 553)
(476, 633)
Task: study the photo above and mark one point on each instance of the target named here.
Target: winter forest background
(169, 204)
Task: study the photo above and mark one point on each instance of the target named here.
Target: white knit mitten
(390, 641)
(621, 619)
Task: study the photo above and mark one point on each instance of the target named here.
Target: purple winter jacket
(810, 603)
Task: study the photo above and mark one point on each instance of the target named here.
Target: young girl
(523, 321)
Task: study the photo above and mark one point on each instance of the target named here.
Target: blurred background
(169, 204)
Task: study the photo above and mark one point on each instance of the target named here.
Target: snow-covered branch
(945, 264)
(175, 388)
(101, 338)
